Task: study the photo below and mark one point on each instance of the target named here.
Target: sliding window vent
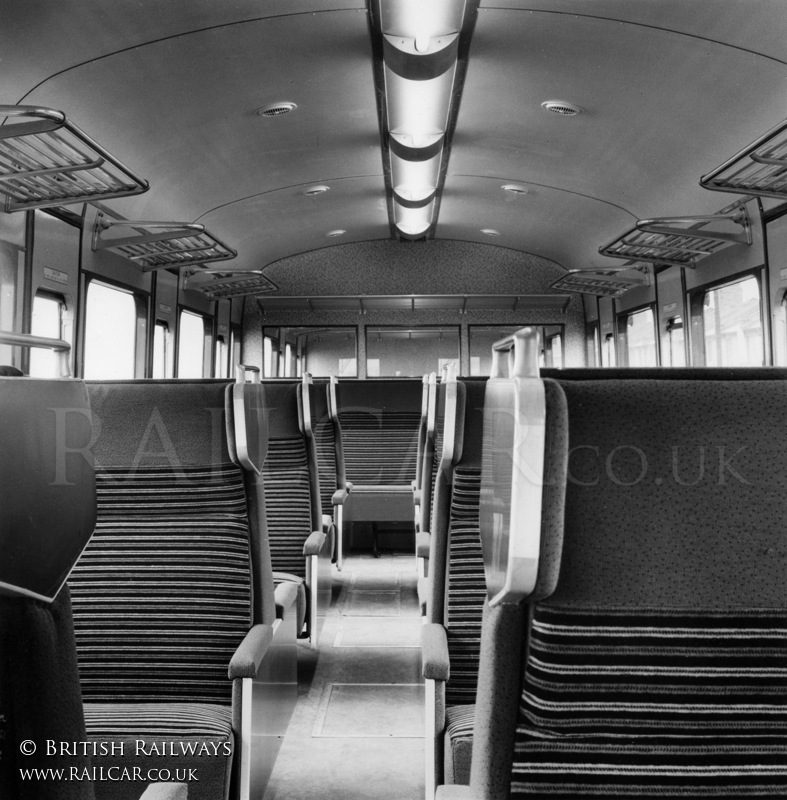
(597, 283)
(46, 161)
(161, 245)
(759, 169)
(237, 286)
(680, 241)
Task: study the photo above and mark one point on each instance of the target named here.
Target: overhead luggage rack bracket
(48, 161)
(679, 241)
(162, 245)
(759, 169)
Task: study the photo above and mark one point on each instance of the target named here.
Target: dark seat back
(163, 595)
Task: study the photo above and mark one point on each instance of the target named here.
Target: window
(410, 352)
(221, 368)
(47, 320)
(732, 323)
(674, 354)
(163, 354)
(268, 360)
(553, 351)
(608, 355)
(638, 336)
(592, 343)
(235, 348)
(320, 351)
(191, 345)
(111, 332)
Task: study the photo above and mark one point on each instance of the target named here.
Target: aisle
(357, 730)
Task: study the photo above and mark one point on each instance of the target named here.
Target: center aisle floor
(357, 730)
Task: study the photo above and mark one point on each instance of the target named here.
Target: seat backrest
(163, 595)
(422, 432)
(321, 429)
(46, 518)
(380, 422)
(669, 620)
(287, 480)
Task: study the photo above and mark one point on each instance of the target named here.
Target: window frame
(373, 328)
(696, 303)
(141, 307)
(622, 333)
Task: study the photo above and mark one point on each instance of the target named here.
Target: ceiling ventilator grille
(681, 241)
(759, 169)
(161, 245)
(249, 282)
(47, 161)
(597, 283)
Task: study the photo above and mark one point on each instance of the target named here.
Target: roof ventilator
(161, 245)
(680, 241)
(47, 161)
(759, 169)
(228, 285)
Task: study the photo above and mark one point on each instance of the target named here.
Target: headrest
(247, 423)
(521, 463)
(159, 423)
(48, 511)
(282, 401)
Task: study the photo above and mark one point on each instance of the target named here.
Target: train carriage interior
(393, 399)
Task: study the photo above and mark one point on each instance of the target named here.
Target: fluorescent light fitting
(413, 221)
(417, 19)
(418, 108)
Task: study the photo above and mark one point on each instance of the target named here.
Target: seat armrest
(416, 497)
(423, 541)
(285, 595)
(248, 657)
(327, 521)
(455, 791)
(166, 791)
(314, 544)
(339, 496)
(434, 652)
(349, 486)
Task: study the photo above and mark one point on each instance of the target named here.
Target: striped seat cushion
(161, 595)
(438, 455)
(466, 587)
(324, 443)
(653, 703)
(287, 503)
(186, 742)
(380, 449)
(459, 743)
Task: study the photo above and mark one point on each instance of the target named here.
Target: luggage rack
(759, 169)
(162, 245)
(237, 285)
(679, 241)
(600, 284)
(48, 161)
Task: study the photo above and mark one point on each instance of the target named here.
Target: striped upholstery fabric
(287, 502)
(380, 449)
(438, 454)
(466, 587)
(161, 595)
(324, 443)
(653, 703)
(149, 720)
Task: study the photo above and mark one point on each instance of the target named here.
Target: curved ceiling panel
(184, 110)
(547, 222)
(271, 226)
(39, 39)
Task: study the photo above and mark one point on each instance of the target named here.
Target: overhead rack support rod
(667, 227)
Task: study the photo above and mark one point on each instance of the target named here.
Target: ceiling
(668, 90)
